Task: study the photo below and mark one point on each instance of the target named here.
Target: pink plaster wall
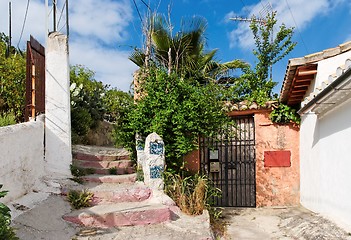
(276, 186)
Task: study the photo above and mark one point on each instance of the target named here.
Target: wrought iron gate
(229, 161)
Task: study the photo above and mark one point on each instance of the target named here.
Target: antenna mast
(267, 8)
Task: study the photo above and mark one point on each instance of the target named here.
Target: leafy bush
(192, 194)
(178, 110)
(7, 119)
(12, 81)
(93, 102)
(6, 231)
(284, 114)
(86, 100)
(80, 199)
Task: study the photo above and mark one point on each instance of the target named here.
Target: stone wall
(21, 158)
(277, 183)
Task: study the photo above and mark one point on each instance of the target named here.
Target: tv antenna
(261, 20)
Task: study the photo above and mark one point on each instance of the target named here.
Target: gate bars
(229, 161)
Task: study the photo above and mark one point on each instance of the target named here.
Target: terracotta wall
(192, 161)
(276, 186)
(277, 183)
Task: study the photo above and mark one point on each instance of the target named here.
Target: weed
(112, 171)
(140, 174)
(218, 224)
(80, 199)
(77, 171)
(90, 171)
(77, 180)
(192, 194)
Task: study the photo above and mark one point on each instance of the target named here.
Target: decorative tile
(156, 172)
(156, 148)
(140, 146)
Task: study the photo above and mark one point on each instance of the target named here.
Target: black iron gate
(229, 161)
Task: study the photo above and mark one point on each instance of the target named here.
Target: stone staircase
(118, 199)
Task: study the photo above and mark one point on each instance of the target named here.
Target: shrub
(12, 80)
(6, 231)
(80, 199)
(7, 119)
(178, 110)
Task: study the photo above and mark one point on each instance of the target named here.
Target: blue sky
(104, 32)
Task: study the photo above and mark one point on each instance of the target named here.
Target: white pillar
(58, 155)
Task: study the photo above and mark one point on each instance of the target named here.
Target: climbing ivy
(284, 114)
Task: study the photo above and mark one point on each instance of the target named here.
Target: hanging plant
(284, 114)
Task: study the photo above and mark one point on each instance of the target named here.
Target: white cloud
(96, 29)
(111, 66)
(303, 13)
(104, 20)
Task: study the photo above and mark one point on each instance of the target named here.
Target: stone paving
(285, 223)
(45, 222)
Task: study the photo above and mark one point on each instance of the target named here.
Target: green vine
(284, 114)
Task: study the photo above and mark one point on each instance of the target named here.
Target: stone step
(119, 171)
(95, 153)
(126, 178)
(109, 193)
(121, 214)
(103, 164)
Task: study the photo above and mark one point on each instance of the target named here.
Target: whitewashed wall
(325, 151)
(21, 158)
(327, 67)
(57, 108)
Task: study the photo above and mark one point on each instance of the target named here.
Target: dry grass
(189, 193)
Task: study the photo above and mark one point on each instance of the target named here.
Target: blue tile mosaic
(156, 172)
(156, 148)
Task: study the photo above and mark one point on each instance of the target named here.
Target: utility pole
(8, 51)
(54, 13)
(67, 23)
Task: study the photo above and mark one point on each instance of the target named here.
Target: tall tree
(255, 84)
(270, 47)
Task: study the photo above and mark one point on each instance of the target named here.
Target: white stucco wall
(325, 68)
(325, 147)
(21, 158)
(57, 104)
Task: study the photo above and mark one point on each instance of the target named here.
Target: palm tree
(183, 52)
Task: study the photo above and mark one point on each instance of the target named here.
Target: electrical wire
(136, 7)
(297, 28)
(24, 23)
(63, 8)
(145, 4)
